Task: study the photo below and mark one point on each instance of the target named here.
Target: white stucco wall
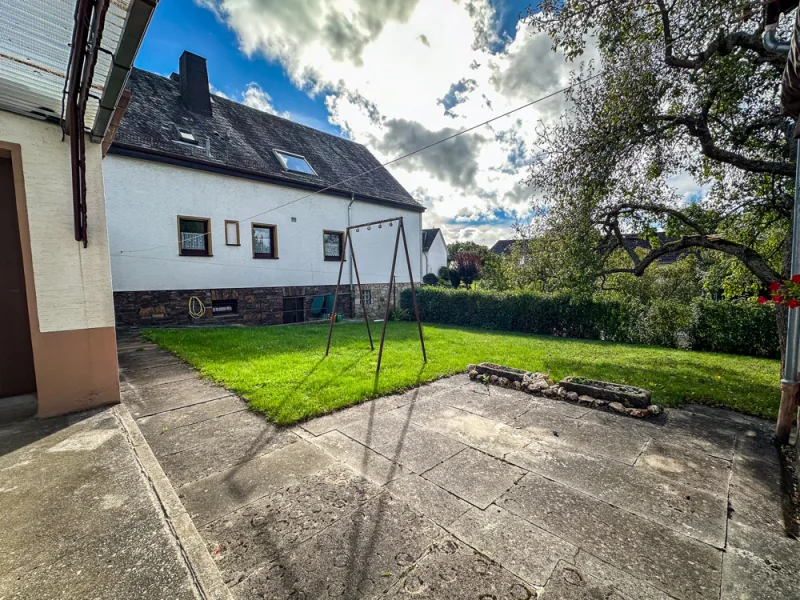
(73, 283)
(144, 199)
(436, 256)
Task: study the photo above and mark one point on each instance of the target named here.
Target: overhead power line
(392, 161)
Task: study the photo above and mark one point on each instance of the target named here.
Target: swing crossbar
(375, 223)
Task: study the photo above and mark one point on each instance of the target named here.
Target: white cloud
(398, 74)
(255, 97)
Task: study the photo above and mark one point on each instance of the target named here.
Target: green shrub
(733, 327)
(430, 279)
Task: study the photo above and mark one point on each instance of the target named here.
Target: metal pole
(413, 292)
(388, 299)
(336, 297)
(789, 383)
(360, 291)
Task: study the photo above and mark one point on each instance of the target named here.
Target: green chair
(329, 303)
(318, 307)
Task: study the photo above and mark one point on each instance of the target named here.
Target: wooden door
(16, 355)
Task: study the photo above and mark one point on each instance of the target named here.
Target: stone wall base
(253, 306)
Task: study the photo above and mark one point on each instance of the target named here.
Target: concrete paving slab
(158, 375)
(266, 531)
(80, 523)
(475, 477)
(226, 491)
(420, 450)
(190, 415)
(451, 570)
(687, 466)
(135, 361)
(760, 565)
(494, 405)
(543, 422)
(696, 513)
(572, 583)
(756, 495)
(362, 460)
(342, 418)
(427, 498)
(755, 445)
(360, 556)
(715, 437)
(680, 566)
(524, 549)
(635, 588)
(147, 401)
(379, 430)
(597, 440)
(487, 435)
(242, 429)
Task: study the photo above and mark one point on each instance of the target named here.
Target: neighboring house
(241, 209)
(58, 352)
(502, 247)
(434, 251)
(632, 241)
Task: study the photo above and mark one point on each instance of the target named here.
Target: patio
(458, 490)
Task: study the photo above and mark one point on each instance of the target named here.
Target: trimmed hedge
(733, 327)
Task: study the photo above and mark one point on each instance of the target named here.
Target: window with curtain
(332, 242)
(194, 236)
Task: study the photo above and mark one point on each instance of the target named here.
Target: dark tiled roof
(244, 138)
(502, 247)
(632, 241)
(428, 235)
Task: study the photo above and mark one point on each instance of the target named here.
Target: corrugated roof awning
(35, 37)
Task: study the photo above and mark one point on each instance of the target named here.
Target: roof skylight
(294, 162)
(186, 135)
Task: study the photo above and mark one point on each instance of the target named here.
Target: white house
(243, 210)
(58, 352)
(434, 250)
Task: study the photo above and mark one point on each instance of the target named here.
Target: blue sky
(385, 86)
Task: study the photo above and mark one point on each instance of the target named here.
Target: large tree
(682, 90)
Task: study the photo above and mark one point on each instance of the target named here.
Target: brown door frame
(14, 152)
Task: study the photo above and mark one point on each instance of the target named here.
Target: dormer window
(186, 136)
(294, 162)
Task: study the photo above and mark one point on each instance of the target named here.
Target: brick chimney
(195, 94)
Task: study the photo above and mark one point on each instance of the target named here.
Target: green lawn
(282, 371)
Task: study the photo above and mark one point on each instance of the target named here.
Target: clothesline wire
(387, 163)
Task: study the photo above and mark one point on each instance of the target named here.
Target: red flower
(796, 278)
(777, 299)
(793, 303)
(774, 286)
(762, 300)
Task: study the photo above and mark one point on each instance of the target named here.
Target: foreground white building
(241, 209)
(58, 352)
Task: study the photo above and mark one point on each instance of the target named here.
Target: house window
(332, 242)
(294, 162)
(293, 310)
(367, 296)
(194, 236)
(232, 233)
(265, 241)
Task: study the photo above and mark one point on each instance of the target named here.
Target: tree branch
(698, 128)
(750, 258)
